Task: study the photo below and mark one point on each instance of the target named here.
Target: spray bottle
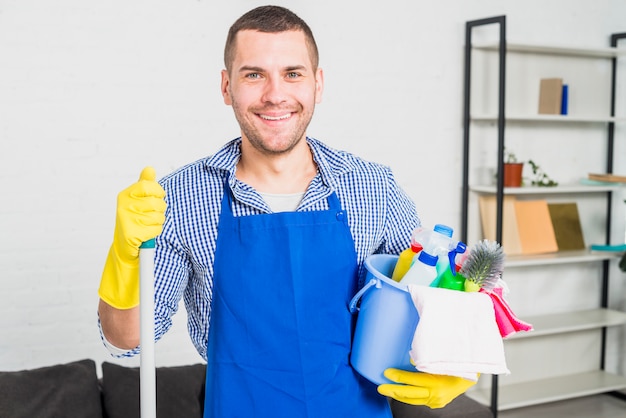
(448, 271)
(405, 260)
(423, 271)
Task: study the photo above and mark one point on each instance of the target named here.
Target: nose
(274, 91)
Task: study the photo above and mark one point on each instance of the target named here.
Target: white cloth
(457, 334)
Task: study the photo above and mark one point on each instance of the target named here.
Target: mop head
(483, 266)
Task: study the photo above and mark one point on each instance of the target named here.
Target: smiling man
(265, 240)
(273, 84)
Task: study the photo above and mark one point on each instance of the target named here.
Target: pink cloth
(507, 322)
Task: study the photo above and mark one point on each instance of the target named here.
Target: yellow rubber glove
(140, 217)
(417, 388)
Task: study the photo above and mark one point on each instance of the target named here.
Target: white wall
(90, 92)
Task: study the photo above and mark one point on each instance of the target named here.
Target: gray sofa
(74, 390)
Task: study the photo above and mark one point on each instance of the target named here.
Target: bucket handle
(355, 299)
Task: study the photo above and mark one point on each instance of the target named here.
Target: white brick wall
(90, 92)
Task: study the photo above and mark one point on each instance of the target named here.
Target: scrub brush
(483, 266)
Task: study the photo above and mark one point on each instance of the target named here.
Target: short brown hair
(269, 19)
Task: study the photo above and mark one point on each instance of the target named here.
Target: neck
(289, 172)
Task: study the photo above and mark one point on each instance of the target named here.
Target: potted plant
(513, 173)
(512, 170)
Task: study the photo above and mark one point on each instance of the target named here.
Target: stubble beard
(279, 143)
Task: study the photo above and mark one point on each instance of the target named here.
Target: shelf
(563, 189)
(550, 390)
(561, 257)
(571, 322)
(550, 330)
(555, 50)
(548, 118)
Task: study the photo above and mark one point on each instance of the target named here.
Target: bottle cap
(444, 230)
(428, 259)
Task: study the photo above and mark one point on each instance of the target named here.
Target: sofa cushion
(460, 407)
(65, 390)
(180, 391)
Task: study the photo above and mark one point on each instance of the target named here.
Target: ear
(319, 85)
(225, 90)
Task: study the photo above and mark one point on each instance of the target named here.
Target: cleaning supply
(423, 271)
(406, 257)
(404, 262)
(437, 242)
(448, 267)
(450, 280)
(508, 323)
(483, 267)
(385, 323)
(457, 333)
(140, 217)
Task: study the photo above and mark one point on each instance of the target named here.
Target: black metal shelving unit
(501, 49)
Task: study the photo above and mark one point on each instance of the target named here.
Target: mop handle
(147, 369)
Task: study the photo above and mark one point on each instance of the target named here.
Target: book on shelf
(510, 236)
(607, 178)
(567, 228)
(608, 248)
(564, 99)
(550, 96)
(534, 224)
(528, 227)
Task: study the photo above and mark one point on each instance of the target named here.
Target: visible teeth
(266, 117)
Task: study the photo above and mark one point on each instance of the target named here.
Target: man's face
(272, 88)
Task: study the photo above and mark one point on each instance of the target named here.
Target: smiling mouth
(277, 117)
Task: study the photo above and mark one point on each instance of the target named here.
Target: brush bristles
(484, 264)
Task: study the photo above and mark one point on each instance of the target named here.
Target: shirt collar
(330, 162)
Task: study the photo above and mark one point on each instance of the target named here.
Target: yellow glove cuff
(119, 286)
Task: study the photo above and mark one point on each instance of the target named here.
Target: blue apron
(280, 330)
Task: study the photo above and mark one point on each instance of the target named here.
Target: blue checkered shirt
(380, 215)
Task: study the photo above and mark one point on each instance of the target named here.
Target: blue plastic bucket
(386, 322)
